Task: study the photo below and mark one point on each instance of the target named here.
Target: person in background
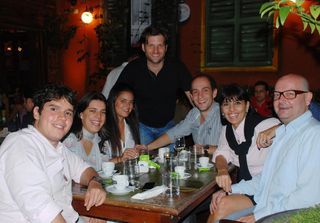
(314, 107)
(289, 177)
(237, 145)
(155, 81)
(115, 73)
(87, 129)
(261, 101)
(36, 170)
(27, 118)
(203, 121)
(122, 129)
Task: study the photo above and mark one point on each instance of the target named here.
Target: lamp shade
(86, 17)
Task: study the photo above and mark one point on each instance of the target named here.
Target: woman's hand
(216, 198)
(223, 180)
(129, 154)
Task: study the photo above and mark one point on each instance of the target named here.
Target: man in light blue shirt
(289, 178)
(203, 121)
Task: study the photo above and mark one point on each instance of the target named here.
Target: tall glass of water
(179, 145)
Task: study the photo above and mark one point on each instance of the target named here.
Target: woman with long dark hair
(87, 128)
(122, 129)
(237, 144)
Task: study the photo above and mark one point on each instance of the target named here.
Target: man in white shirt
(36, 170)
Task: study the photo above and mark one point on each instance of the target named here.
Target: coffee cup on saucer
(122, 181)
(180, 170)
(108, 168)
(204, 161)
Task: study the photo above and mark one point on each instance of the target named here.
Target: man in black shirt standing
(156, 81)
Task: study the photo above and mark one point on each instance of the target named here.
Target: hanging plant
(284, 7)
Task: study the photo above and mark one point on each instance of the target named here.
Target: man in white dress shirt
(36, 170)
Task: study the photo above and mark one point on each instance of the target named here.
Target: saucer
(113, 190)
(210, 165)
(186, 176)
(103, 175)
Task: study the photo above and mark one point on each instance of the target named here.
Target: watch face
(184, 12)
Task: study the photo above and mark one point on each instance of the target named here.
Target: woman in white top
(88, 126)
(122, 131)
(237, 145)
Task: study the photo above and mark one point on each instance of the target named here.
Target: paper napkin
(150, 193)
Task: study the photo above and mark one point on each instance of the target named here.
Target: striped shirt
(206, 133)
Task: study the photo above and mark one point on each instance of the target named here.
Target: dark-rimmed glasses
(289, 94)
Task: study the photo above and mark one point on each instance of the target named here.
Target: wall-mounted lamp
(87, 17)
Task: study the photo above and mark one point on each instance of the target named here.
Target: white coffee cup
(180, 170)
(204, 161)
(122, 181)
(107, 168)
(161, 153)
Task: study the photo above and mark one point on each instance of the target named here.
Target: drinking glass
(179, 145)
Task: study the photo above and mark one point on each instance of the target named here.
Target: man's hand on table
(95, 195)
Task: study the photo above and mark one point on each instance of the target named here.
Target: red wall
(75, 74)
(298, 52)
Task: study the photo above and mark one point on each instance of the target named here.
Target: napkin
(150, 193)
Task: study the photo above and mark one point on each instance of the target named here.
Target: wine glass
(179, 145)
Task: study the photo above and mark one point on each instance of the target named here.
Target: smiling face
(94, 116)
(289, 109)
(124, 104)
(234, 110)
(55, 119)
(202, 94)
(155, 49)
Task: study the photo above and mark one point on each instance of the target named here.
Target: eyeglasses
(289, 94)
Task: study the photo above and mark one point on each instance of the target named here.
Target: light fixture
(87, 17)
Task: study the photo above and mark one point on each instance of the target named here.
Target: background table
(162, 209)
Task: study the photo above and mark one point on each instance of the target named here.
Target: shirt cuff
(49, 213)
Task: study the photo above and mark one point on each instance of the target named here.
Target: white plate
(102, 175)
(186, 176)
(113, 190)
(209, 165)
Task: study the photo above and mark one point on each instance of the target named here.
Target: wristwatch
(97, 179)
(206, 150)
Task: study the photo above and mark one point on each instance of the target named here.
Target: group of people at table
(277, 158)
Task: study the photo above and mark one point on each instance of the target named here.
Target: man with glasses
(289, 177)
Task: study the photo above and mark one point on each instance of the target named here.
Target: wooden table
(159, 209)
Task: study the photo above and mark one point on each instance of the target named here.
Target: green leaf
(277, 23)
(266, 5)
(270, 14)
(315, 11)
(305, 25)
(312, 27)
(283, 13)
(299, 2)
(318, 28)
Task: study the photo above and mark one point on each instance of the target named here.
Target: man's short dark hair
(53, 92)
(262, 83)
(153, 31)
(213, 83)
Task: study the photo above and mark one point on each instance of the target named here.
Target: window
(235, 37)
